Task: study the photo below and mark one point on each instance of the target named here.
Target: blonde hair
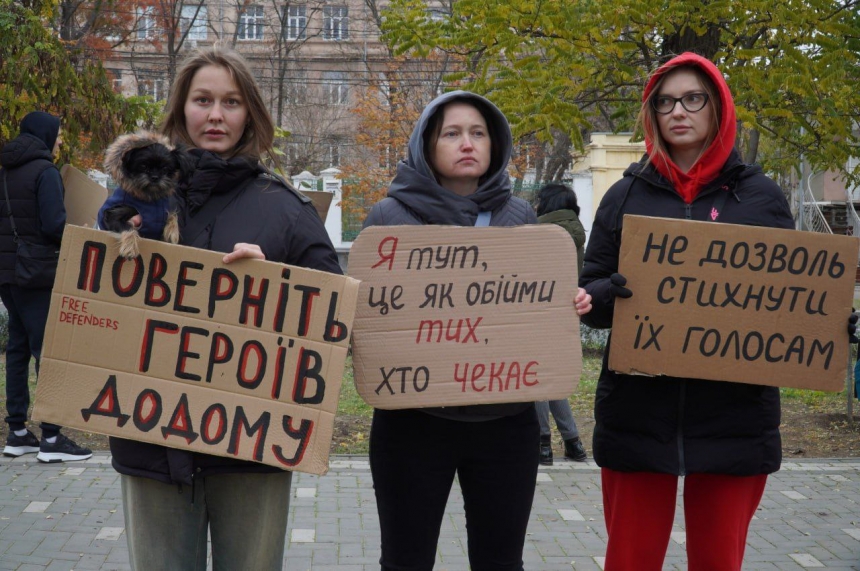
(647, 118)
(259, 133)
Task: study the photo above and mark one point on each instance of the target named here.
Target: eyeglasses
(692, 102)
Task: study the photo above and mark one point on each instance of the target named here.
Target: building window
(194, 20)
(297, 92)
(335, 88)
(336, 23)
(155, 88)
(297, 22)
(145, 22)
(115, 77)
(251, 24)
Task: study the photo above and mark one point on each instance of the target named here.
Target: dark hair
(434, 128)
(555, 196)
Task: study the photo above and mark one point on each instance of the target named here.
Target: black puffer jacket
(35, 194)
(415, 197)
(257, 210)
(677, 425)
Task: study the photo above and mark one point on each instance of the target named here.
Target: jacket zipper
(682, 396)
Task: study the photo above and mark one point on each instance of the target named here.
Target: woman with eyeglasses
(722, 437)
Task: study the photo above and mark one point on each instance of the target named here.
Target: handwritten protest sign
(456, 316)
(734, 303)
(176, 348)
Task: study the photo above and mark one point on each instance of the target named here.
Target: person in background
(455, 174)
(556, 204)
(173, 499)
(33, 190)
(722, 437)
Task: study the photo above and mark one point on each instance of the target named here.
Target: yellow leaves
(37, 72)
(551, 64)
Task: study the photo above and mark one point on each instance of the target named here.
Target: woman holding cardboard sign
(723, 437)
(230, 204)
(455, 174)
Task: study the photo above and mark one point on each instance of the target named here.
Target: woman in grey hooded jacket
(455, 174)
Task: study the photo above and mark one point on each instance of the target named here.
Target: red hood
(709, 165)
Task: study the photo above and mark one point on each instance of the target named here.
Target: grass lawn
(352, 423)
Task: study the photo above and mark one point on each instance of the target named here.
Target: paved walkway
(69, 517)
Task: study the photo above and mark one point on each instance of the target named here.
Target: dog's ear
(184, 160)
(128, 160)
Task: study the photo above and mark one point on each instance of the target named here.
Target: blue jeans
(563, 418)
(28, 314)
(245, 514)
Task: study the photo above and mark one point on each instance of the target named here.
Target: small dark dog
(147, 169)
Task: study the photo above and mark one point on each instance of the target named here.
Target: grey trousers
(563, 418)
(245, 514)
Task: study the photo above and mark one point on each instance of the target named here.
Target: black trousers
(28, 314)
(414, 457)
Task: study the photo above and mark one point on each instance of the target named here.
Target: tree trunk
(751, 153)
(686, 40)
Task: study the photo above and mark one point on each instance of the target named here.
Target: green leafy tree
(39, 71)
(793, 66)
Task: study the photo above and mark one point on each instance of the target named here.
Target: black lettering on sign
(180, 423)
(385, 299)
(242, 424)
(302, 434)
(420, 379)
(753, 345)
(106, 404)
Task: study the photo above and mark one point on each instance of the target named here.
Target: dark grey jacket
(415, 197)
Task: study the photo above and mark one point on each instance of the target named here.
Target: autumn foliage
(387, 110)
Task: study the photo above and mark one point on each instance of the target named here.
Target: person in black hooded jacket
(722, 436)
(172, 498)
(455, 174)
(33, 190)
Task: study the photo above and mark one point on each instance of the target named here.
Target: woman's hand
(617, 286)
(582, 301)
(243, 250)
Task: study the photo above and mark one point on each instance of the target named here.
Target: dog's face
(151, 172)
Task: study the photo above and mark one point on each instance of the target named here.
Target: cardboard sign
(321, 200)
(734, 303)
(83, 197)
(176, 348)
(457, 316)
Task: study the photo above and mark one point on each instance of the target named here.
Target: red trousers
(639, 508)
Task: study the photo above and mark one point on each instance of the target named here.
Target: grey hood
(415, 186)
